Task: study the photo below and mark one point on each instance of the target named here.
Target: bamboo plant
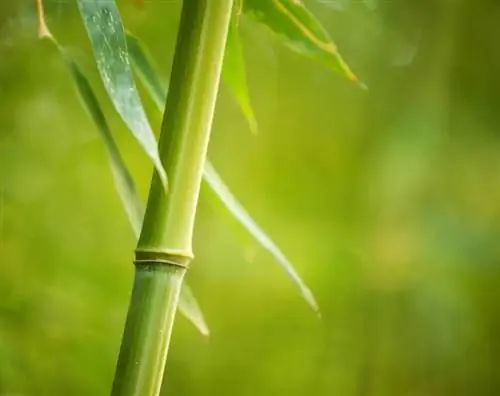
(208, 47)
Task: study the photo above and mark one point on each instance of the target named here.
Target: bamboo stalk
(164, 250)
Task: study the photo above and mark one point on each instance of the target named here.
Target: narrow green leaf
(229, 201)
(123, 179)
(234, 75)
(124, 183)
(104, 27)
(300, 31)
(190, 308)
(142, 63)
(238, 211)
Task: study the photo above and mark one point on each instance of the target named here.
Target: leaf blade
(299, 29)
(123, 179)
(143, 66)
(234, 74)
(238, 211)
(106, 33)
(189, 307)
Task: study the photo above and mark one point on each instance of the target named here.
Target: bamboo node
(162, 258)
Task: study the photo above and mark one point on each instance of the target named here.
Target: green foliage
(234, 74)
(238, 211)
(123, 179)
(124, 183)
(410, 185)
(103, 22)
(301, 32)
(142, 65)
(235, 77)
(114, 50)
(297, 27)
(150, 78)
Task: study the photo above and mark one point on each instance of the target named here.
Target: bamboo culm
(164, 250)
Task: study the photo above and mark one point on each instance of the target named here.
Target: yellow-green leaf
(107, 36)
(234, 74)
(238, 211)
(299, 30)
(141, 61)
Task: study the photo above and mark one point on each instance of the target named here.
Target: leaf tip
(254, 127)
(362, 85)
(203, 328)
(309, 297)
(43, 30)
(161, 171)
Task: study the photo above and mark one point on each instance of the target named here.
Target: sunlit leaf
(104, 27)
(238, 211)
(124, 183)
(123, 180)
(300, 31)
(190, 308)
(234, 75)
(142, 64)
(231, 204)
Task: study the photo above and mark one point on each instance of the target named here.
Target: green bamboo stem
(164, 250)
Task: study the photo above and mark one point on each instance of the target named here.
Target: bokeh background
(386, 201)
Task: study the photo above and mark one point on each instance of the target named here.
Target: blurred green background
(387, 202)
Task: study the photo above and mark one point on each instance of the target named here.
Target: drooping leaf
(107, 36)
(299, 30)
(124, 183)
(238, 211)
(234, 74)
(141, 61)
(123, 179)
(189, 307)
(229, 202)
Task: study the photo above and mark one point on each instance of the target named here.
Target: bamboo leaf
(234, 74)
(124, 182)
(142, 63)
(216, 184)
(123, 179)
(300, 31)
(238, 211)
(189, 307)
(105, 30)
